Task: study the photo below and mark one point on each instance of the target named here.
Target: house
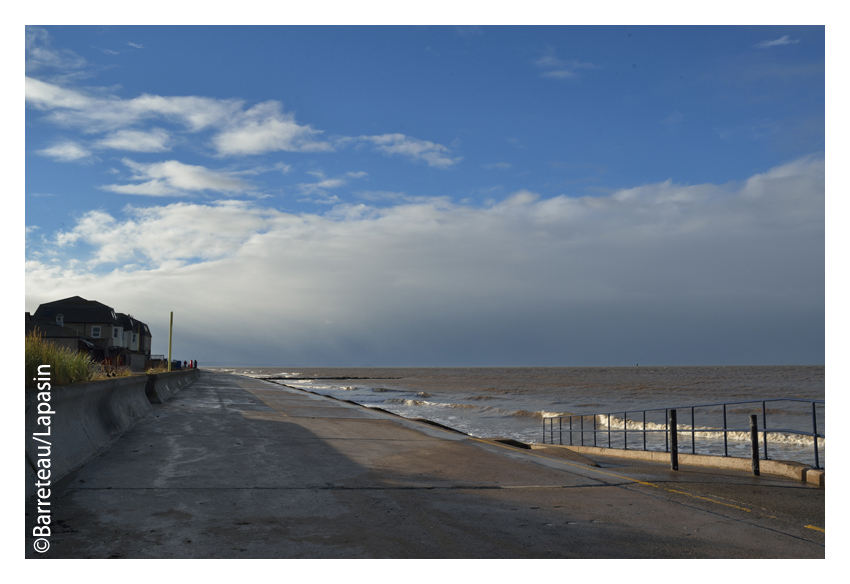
(59, 335)
(137, 341)
(116, 337)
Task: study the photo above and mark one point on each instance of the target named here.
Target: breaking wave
(485, 410)
(420, 402)
(540, 415)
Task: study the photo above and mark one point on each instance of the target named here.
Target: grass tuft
(66, 365)
(161, 368)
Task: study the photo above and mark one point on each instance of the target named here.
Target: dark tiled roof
(76, 309)
(131, 324)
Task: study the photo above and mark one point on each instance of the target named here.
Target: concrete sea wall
(793, 470)
(90, 416)
(161, 386)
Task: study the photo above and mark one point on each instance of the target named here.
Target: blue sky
(435, 195)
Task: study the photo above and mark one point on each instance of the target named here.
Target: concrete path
(233, 467)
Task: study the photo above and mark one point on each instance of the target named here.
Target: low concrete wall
(794, 470)
(161, 386)
(90, 416)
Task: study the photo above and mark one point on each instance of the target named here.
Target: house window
(135, 338)
(60, 319)
(114, 333)
(95, 332)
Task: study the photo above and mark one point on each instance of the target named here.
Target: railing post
(581, 419)
(754, 441)
(594, 429)
(693, 432)
(674, 440)
(560, 431)
(544, 430)
(644, 430)
(764, 428)
(815, 433)
(725, 434)
(625, 430)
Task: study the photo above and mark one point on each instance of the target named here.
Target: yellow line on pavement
(815, 528)
(707, 499)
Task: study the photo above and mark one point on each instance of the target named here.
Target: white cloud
(424, 279)
(66, 152)
(134, 45)
(433, 154)
(266, 128)
(172, 178)
(555, 68)
(549, 61)
(196, 113)
(41, 55)
(107, 51)
(153, 140)
(170, 234)
(262, 128)
(376, 196)
(48, 96)
(324, 183)
(785, 40)
(280, 167)
(94, 113)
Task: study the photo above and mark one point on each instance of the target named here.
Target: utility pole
(170, 326)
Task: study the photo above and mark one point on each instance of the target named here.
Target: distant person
(184, 364)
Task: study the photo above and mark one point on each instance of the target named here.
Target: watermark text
(45, 412)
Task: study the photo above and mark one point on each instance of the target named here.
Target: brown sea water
(513, 402)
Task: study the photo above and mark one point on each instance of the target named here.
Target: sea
(566, 404)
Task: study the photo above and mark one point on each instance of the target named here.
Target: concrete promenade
(233, 467)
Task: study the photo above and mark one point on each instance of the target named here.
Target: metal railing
(579, 429)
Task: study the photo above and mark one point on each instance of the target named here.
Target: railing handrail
(693, 430)
(748, 401)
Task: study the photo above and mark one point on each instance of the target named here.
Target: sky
(435, 195)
